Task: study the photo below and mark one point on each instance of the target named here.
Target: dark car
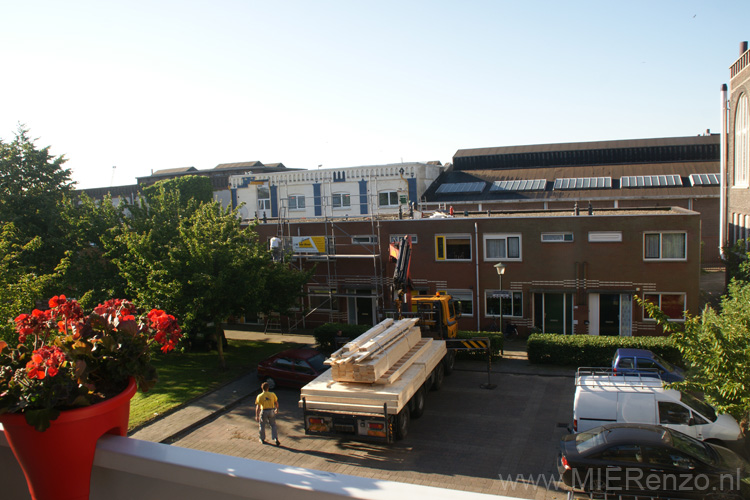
(293, 367)
(646, 363)
(651, 459)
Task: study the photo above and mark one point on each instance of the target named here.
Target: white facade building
(352, 191)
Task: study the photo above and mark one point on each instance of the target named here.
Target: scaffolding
(337, 287)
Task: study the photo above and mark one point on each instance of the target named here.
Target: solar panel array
(639, 181)
(583, 183)
(519, 185)
(629, 181)
(704, 179)
(461, 187)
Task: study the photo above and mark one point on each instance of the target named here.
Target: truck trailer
(377, 383)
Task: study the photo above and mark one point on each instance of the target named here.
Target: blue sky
(147, 85)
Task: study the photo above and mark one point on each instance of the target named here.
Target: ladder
(272, 323)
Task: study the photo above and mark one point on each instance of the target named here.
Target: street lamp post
(500, 268)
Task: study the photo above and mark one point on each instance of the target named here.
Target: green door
(554, 313)
(609, 314)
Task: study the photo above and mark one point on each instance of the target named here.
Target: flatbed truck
(381, 410)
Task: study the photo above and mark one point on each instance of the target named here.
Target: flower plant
(66, 359)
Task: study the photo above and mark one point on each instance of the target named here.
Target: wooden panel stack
(395, 388)
(371, 355)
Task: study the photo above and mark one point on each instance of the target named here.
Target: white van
(603, 399)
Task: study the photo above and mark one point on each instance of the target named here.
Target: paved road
(468, 438)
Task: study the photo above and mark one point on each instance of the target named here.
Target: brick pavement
(472, 447)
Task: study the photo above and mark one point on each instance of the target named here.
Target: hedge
(325, 335)
(593, 350)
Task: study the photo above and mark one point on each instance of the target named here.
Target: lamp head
(500, 268)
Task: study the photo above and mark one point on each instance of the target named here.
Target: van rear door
(636, 408)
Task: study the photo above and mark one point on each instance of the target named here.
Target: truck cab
(438, 315)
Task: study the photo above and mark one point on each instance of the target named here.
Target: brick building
(736, 194)
(565, 273)
(675, 171)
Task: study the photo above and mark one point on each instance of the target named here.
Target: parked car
(292, 368)
(647, 363)
(604, 399)
(640, 458)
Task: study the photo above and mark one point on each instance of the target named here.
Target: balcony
(126, 468)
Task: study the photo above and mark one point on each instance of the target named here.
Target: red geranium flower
(45, 361)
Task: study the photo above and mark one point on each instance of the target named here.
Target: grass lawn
(184, 376)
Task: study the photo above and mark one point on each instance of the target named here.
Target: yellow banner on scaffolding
(309, 244)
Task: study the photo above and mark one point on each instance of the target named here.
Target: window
(622, 453)
(342, 200)
(301, 366)
(557, 237)
(264, 198)
(605, 236)
(466, 298)
(665, 246)
(673, 413)
(741, 143)
(323, 299)
(659, 456)
(395, 238)
(388, 199)
(626, 363)
(502, 247)
(368, 239)
(448, 247)
(296, 202)
(512, 303)
(283, 364)
(672, 304)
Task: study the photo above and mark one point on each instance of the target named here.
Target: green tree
(32, 185)
(90, 275)
(196, 260)
(189, 187)
(20, 287)
(142, 245)
(716, 348)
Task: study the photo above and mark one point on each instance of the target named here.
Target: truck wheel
(402, 423)
(449, 362)
(417, 403)
(438, 377)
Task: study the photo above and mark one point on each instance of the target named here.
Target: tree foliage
(716, 349)
(90, 275)
(189, 187)
(32, 185)
(196, 260)
(20, 287)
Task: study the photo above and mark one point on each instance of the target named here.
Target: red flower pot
(57, 462)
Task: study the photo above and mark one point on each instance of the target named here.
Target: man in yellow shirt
(266, 408)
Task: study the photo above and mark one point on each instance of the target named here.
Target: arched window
(741, 149)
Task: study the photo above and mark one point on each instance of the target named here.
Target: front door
(364, 308)
(609, 314)
(554, 313)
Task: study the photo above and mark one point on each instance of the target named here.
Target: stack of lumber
(387, 380)
(372, 354)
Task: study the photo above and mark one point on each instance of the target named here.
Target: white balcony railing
(126, 469)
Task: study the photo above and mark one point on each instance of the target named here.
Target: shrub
(325, 335)
(593, 350)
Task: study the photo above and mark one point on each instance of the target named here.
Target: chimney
(743, 47)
